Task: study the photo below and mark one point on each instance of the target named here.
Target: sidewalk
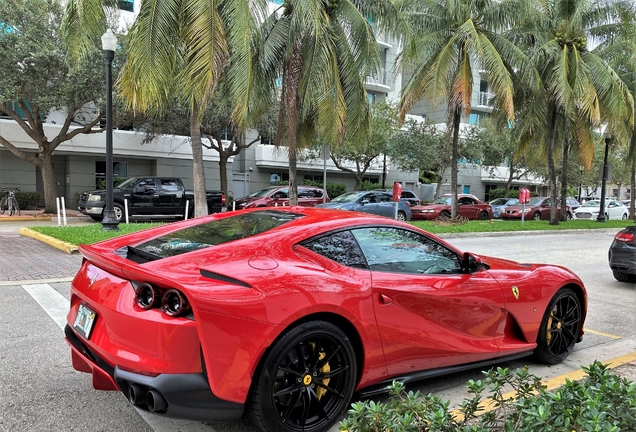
(39, 215)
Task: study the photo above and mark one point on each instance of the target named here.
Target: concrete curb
(58, 244)
(24, 218)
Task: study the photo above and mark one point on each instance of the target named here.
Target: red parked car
(284, 312)
(308, 196)
(537, 209)
(469, 206)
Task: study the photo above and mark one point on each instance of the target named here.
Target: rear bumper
(181, 396)
(622, 258)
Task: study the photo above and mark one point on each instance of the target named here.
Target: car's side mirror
(471, 263)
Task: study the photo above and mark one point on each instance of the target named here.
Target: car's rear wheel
(401, 216)
(623, 277)
(560, 327)
(444, 215)
(483, 215)
(305, 381)
(536, 216)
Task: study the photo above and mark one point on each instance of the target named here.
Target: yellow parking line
(552, 383)
(611, 336)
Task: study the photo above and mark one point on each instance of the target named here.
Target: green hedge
(27, 199)
(601, 402)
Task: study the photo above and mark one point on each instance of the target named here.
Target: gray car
(622, 255)
(374, 202)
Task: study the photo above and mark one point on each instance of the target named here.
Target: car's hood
(333, 205)
(505, 264)
(587, 209)
(96, 192)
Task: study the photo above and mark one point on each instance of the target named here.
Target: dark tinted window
(282, 193)
(309, 193)
(170, 185)
(216, 232)
(402, 251)
(341, 247)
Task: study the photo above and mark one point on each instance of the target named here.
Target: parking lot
(42, 392)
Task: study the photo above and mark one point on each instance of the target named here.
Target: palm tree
(577, 85)
(180, 48)
(322, 50)
(451, 39)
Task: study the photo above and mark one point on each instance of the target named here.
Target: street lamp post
(601, 214)
(109, 45)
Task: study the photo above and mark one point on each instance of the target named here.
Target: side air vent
(222, 278)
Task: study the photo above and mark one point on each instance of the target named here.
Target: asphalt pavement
(40, 391)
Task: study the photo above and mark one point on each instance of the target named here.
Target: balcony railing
(484, 98)
(380, 77)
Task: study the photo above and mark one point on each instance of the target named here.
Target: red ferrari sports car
(283, 313)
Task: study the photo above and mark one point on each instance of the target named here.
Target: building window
(279, 177)
(466, 189)
(126, 5)
(120, 170)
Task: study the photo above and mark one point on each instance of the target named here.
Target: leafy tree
(579, 90)
(362, 154)
(36, 79)
(499, 147)
(451, 39)
(425, 147)
(322, 51)
(182, 49)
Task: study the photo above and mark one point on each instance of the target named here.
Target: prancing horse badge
(515, 291)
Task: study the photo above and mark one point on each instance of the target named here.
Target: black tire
(120, 214)
(444, 215)
(624, 216)
(560, 327)
(483, 215)
(568, 216)
(305, 381)
(401, 216)
(623, 277)
(536, 216)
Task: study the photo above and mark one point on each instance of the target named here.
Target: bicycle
(8, 201)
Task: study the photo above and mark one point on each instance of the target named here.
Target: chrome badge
(92, 279)
(515, 291)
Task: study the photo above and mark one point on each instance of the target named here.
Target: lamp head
(109, 41)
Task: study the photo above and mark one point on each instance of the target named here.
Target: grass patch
(514, 226)
(87, 234)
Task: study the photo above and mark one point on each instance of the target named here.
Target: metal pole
(109, 221)
(601, 214)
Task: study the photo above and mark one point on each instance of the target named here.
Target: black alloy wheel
(560, 327)
(483, 216)
(536, 216)
(306, 380)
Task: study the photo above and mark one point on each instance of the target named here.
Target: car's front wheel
(305, 381)
(560, 327)
(536, 216)
(624, 216)
(483, 215)
(444, 215)
(119, 212)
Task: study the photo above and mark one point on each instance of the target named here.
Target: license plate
(84, 321)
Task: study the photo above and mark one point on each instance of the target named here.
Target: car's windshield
(499, 201)
(443, 200)
(535, 201)
(262, 193)
(128, 184)
(592, 204)
(346, 198)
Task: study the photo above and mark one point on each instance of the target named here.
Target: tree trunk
(223, 172)
(564, 181)
(358, 184)
(509, 182)
(292, 77)
(554, 217)
(45, 164)
(198, 171)
(455, 156)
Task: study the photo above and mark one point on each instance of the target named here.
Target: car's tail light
(174, 303)
(223, 199)
(146, 296)
(624, 236)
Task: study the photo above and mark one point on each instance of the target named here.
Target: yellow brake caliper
(548, 335)
(326, 368)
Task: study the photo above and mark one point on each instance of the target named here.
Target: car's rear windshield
(208, 234)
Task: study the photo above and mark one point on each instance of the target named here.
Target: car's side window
(341, 247)
(403, 251)
(385, 197)
(283, 193)
(371, 197)
(169, 185)
(148, 184)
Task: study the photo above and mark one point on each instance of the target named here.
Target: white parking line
(57, 306)
(53, 303)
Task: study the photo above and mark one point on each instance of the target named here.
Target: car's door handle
(156, 196)
(385, 299)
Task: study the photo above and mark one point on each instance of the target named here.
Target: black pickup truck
(148, 198)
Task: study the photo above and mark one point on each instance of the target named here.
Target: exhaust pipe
(156, 402)
(137, 395)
